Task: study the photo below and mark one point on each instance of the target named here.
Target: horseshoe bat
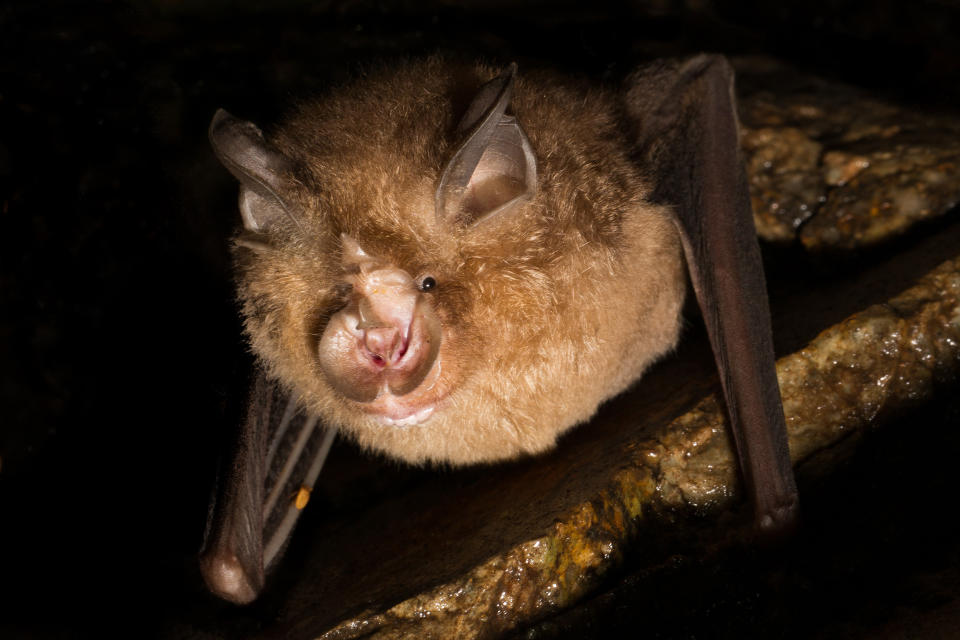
(451, 263)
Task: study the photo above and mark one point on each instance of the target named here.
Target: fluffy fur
(546, 311)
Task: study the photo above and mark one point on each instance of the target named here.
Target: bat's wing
(276, 460)
(687, 132)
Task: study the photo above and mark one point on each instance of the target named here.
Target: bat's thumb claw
(226, 576)
(778, 523)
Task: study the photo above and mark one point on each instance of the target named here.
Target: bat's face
(451, 292)
(380, 350)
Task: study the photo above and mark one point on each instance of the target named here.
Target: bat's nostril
(382, 343)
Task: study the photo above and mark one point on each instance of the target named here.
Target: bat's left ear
(494, 168)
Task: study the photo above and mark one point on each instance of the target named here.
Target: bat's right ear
(258, 166)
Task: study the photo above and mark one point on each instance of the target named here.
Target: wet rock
(881, 193)
(874, 365)
(785, 184)
(836, 167)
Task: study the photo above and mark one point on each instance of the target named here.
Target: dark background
(123, 368)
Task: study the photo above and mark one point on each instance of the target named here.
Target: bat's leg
(276, 462)
(687, 130)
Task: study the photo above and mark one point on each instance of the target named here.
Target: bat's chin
(413, 408)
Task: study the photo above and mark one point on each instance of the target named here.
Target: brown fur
(547, 311)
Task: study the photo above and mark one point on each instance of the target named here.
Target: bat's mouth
(410, 409)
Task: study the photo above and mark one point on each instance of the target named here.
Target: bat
(453, 263)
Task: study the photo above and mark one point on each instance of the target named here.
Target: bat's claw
(226, 576)
(778, 523)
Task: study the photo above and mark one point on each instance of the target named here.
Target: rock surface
(839, 168)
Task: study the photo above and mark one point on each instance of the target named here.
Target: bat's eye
(428, 284)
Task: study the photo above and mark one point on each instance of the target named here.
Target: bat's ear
(258, 166)
(494, 168)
